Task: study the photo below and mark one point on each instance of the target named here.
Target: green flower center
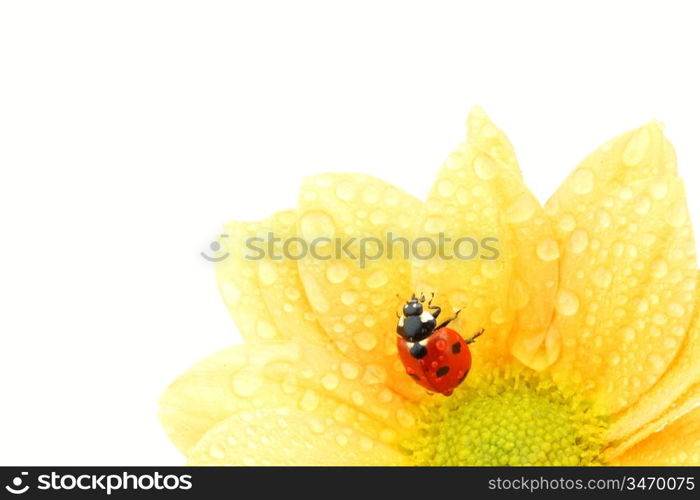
(509, 419)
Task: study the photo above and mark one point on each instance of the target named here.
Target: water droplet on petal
(349, 370)
(548, 249)
(267, 272)
(309, 400)
(266, 329)
(659, 268)
(567, 223)
(247, 382)
(484, 167)
(337, 272)
(434, 225)
(329, 381)
(579, 240)
(521, 209)
(365, 341)
(217, 451)
(377, 279)
(677, 214)
(583, 180)
(567, 303)
(345, 190)
(636, 148)
(317, 298)
(316, 224)
(348, 297)
(231, 293)
(602, 277)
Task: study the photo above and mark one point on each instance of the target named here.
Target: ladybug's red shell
(444, 367)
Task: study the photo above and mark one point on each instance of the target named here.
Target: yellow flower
(592, 347)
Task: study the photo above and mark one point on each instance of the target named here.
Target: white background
(130, 131)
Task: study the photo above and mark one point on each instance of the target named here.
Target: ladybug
(435, 356)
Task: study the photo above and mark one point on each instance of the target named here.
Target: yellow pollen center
(512, 419)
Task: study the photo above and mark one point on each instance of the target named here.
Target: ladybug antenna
(413, 296)
(422, 297)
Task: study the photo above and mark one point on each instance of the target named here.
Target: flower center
(509, 419)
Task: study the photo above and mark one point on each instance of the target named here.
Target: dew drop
(388, 435)
(309, 400)
(446, 187)
(583, 181)
(636, 148)
(492, 269)
(348, 297)
(366, 444)
(377, 279)
(337, 272)
(329, 381)
(659, 189)
(315, 294)
(567, 303)
(371, 194)
(567, 223)
(365, 341)
(267, 272)
(455, 161)
(603, 218)
(434, 225)
(217, 451)
(341, 439)
(231, 293)
(659, 269)
(520, 210)
(247, 382)
(602, 277)
(266, 329)
(628, 334)
(345, 190)
(484, 167)
(548, 249)
(677, 214)
(378, 217)
(357, 398)
(349, 370)
(316, 224)
(405, 418)
(579, 241)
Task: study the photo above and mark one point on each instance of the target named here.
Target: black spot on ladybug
(463, 377)
(414, 376)
(442, 371)
(456, 348)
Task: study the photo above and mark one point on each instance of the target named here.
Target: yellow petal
(689, 400)
(355, 299)
(489, 269)
(284, 436)
(628, 271)
(281, 287)
(483, 134)
(284, 374)
(237, 279)
(682, 374)
(677, 444)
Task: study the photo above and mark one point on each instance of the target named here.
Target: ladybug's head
(414, 307)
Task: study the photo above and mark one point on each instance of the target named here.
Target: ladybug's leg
(448, 321)
(436, 311)
(474, 337)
